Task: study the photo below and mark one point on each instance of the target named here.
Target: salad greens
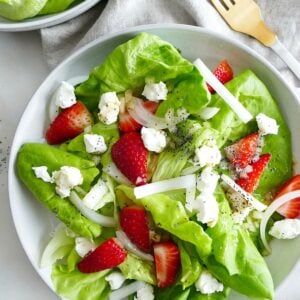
(17, 10)
(225, 249)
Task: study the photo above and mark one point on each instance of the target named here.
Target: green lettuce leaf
(253, 94)
(33, 155)
(174, 292)
(146, 56)
(135, 268)
(17, 10)
(235, 260)
(170, 215)
(54, 6)
(194, 295)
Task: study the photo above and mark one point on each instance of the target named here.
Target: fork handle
(287, 57)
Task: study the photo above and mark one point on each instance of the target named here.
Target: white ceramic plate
(47, 20)
(34, 223)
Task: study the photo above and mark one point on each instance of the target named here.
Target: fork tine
(219, 7)
(228, 3)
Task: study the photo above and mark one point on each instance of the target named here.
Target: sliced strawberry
(223, 72)
(290, 209)
(106, 256)
(241, 153)
(127, 123)
(250, 183)
(167, 261)
(134, 222)
(130, 156)
(69, 123)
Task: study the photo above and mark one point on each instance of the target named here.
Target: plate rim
(49, 20)
(102, 39)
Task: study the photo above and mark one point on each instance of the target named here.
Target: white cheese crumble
(64, 96)
(115, 280)
(207, 284)
(83, 246)
(93, 198)
(266, 125)
(145, 293)
(109, 106)
(94, 143)
(285, 229)
(66, 179)
(208, 155)
(42, 173)
(207, 181)
(154, 140)
(155, 91)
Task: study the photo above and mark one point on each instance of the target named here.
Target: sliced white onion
(182, 182)
(208, 112)
(271, 209)
(113, 171)
(254, 202)
(90, 214)
(125, 241)
(144, 117)
(126, 290)
(232, 101)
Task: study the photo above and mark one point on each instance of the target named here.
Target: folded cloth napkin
(113, 15)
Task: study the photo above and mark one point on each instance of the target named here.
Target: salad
(16, 10)
(169, 184)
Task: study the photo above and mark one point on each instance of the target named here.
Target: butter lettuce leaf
(54, 6)
(146, 56)
(34, 155)
(235, 260)
(17, 10)
(170, 215)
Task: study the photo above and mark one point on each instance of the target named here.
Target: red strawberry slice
(250, 183)
(167, 261)
(241, 153)
(127, 123)
(134, 222)
(69, 123)
(130, 156)
(223, 72)
(290, 209)
(106, 256)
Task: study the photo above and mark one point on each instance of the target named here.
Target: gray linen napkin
(113, 15)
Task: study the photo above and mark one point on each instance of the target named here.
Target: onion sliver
(182, 182)
(208, 112)
(271, 209)
(144, 117)
(126, 290)
(90, 214)
(254, 202)
(233, 102)
(125, 241)
(113, 171)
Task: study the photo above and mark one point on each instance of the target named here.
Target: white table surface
(22, 70)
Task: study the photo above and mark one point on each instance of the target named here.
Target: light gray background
(22, 70)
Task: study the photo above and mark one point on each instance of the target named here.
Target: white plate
(34, 223)
(47, 20)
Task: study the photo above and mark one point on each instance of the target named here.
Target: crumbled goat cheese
(154, 140)
(207, 181)
(208, 155)
(266, 125)
(285, 229)
(64, 96)
(109, 106)
(66, 179)
(42, 173)
(94, 143)
(145, 293)
(155, 91)
(115, 280)
(83, 246)
(207, 284)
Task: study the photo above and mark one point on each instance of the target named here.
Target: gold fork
(245, 16)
